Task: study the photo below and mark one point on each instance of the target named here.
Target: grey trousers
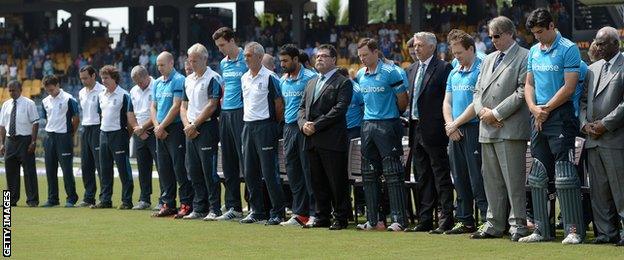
(606, 177)
(504, 178)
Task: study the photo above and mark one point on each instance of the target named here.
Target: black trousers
(201, 165)
(230, 133)
(145, 151)
(114, 148)
(171, 169)
(89, 160)
(431, 168)
(58, 149)
(16, 155)
(330, 182)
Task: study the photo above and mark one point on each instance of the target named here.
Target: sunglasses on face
(495, 36)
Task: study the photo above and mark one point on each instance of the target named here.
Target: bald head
(268, 61)
(607, 43)
(164, 61)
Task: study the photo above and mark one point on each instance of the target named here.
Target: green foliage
(333, 12)
(378, 10)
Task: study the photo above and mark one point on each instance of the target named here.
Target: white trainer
(532, 238)
(572, 239)
(231, 214)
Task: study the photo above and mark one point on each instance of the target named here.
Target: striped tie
(12, 126)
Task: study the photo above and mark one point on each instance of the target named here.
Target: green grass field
(77, 233)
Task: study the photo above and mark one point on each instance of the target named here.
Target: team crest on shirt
(93, 98)
(149, 97)
(378, 77)
(535, 55)
(553, 54)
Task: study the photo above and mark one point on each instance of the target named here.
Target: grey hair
(428, 37)
(255, 47)
(610, 32)
(198, 48)
(14, 84)
(502, 24)
(138, 71)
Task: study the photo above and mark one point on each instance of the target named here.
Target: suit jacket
(605, 101)
(503, 90)
(430, 98)
(327, 112)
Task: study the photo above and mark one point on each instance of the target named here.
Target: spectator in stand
(4, 74)
(479, 44)
(48, 68)
(13, 71)
(144, 59)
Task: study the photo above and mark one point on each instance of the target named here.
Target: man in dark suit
(428, 141)
(321, 118)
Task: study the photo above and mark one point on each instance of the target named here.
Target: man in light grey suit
(503, 132)
(602, 119)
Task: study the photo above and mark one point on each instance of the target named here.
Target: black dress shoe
(338, 225)
(515, 237)
(482, 235)
(599, 240)
(621, 243)
(319, 224)
(420, 228)
(438, 231)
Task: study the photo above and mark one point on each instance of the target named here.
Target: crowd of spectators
(272, 31)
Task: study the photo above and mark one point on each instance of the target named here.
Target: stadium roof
(20, 6)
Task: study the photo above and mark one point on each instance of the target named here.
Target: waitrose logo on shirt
(230, 74)
(546, 67)
(373, 89)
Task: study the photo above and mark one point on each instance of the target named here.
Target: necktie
(498, 61)
(417, 85)
(318, 87)
(12, 126)
(603, 72)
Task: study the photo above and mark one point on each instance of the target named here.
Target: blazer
(327, 112)
(429, 101)
(605, 101)
(503, 90)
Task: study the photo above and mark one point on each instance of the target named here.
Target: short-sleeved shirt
(461, 84)
(199, 90)
(114, 107)
(231, 72)
(292, 91)
(89, 104)
(142, 102)
(403, 74)
(379, 89)
(578, 92)
(25, 115)
(549, 66)
(58, 111)
(164, 93)
(259, 93)
(356, 107)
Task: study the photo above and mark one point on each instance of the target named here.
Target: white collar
(509, 49)
(329, 73)
(427, 61)
(612, 61)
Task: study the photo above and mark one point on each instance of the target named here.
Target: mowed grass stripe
(104, 234)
